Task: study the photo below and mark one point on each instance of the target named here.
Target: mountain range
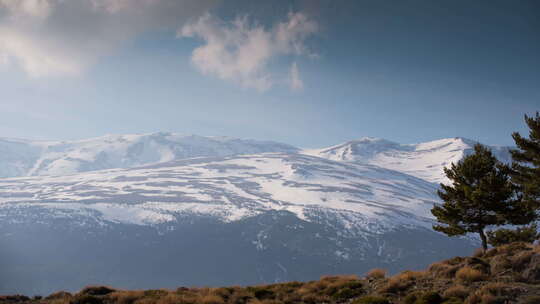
(164, 210)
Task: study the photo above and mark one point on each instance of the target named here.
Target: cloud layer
(239, 51)
(63, 37)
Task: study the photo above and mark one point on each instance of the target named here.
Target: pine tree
(526, 164)
(481, 195)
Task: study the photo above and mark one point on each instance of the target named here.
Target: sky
(310, 73)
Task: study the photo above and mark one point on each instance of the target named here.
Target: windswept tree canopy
(480, 195)
(526, 163)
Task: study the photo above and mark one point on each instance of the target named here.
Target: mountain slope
(233, 188)
(27, 158)
(243, 219)
(424, 160)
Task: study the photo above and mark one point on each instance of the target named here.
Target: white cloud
(36, 58)
(64, 37)
(33, 8)
(239, 51)
(295, 81)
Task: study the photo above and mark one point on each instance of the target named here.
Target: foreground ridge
(506, 274)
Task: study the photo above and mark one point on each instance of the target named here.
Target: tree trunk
(483, 238)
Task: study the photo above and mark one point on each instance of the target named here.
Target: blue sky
(308, 73)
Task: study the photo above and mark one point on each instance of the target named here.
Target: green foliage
(481, 195)
(526, 167)
(506, 236)
(371, 300)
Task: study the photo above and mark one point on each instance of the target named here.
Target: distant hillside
(504, 275)
(19, 157)
(424, 160)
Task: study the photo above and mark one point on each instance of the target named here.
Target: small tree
(527, 234)
(480, 195)
(526, 165)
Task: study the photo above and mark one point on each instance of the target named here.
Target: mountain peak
(424, 160)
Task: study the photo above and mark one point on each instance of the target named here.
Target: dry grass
(376, 274)
(457, 291)
(501, 289)
(500, 264)
(126, 297)
(336, 278)
(402, 281)
(469, 275)
(478, 252)
(442, 269)
(211, 299)
(495, 293)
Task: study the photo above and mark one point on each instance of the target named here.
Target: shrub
(453, 301)
(402, 281)
(411, 298)
(58, 295)
(86, 299)
(506, 236)
(126, 297)
(478, 252)
(491, 299)
(211, 299)
(429, 297)
(155, 293)
(371, 300)
(14, 298)
(241, 296)
(335, 278)
(521, 260)
(468, 275)
(499, 264)
(442, 269)
(346, 293)
(262, 293)
(376, 273)
(314, 298)
(473, 299)
(457, 291)
(97, 290)
(176, 299)
(530, 300)
(498, 289)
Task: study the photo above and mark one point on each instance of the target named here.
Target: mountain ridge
(425, 160)
(22, 157)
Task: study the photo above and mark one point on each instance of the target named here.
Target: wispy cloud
(295, 82)
(239, 51)
(59, 37)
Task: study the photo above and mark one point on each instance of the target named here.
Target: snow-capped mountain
(163, 210)
(27, 158)
(424, 160)
(233, 188)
